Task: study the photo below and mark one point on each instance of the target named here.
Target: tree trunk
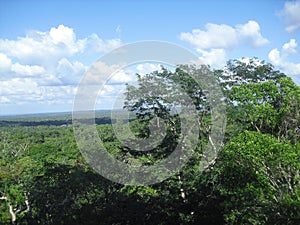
(11, 210)
(182, 192)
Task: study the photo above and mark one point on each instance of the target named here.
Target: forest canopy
(252, 179)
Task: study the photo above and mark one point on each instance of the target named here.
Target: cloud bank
(280, 58)
(216, 39)
(43, 67)
(291, 13)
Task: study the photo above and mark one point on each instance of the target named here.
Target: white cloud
(215, 57)
(99, 73)
(213, 42)
(63, 34)
(24, 90)
(45, 67)
(44, 48)
(4, 99)
(48, 79)
(94, 43)
(291, 12)
(290, 47)
(70, 72)
(225, 36)
(106, 90)
(121, 77)
(27, 70)
(250, 33)
(274, 56)
(280, 58)
(145, 68)
(5, 62)
(19, 87)
(216, 36)
(41, 47)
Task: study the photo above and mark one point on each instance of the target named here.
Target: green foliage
(260, 98)
(268, 107)
(259, 175)
(44, 179)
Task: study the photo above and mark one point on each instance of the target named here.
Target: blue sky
(47, 46)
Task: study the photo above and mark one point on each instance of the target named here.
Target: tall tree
(260, 98)
(259, 178)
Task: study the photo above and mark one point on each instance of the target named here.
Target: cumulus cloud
(290, 47)
(107, 90)
(19, 86)
(100, 73)
(121, 76)
(70, 72)
(145, 68)
(225, 36)
(4, 99)
(8, 69)
(43, 47)
(39, 47)
(94, 43)
(27, 70)
(24, 90)
(5, 62)
(215, 57)
(281, 58)
(64, 35)
(291, 13)
(213, 42)
(45, 66)
(250, 33)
